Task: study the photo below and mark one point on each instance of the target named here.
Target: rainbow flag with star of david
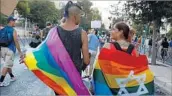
(118, 73)
(51, 63)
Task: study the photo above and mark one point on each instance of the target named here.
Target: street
(147, 25)
(25, 85)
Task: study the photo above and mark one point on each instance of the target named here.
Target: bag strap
(130, 49)
(118, 47)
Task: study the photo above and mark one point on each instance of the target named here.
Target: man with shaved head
(73, 37)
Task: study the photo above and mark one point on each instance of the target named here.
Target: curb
(163, 86)
(158, 81)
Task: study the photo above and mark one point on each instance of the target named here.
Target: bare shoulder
(106, 45)
(83, 32)
(84, 36)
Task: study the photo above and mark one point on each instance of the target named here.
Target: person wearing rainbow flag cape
(57, 60)
(119, 69)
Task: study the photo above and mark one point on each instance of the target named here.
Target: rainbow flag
(118, 73)
(51, 63)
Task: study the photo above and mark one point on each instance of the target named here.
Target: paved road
(167, 61)
(27, 84)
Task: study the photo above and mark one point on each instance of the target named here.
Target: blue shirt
(93, 42)
(11, 31)
(170, 43)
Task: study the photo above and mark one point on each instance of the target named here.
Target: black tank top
(73, 44)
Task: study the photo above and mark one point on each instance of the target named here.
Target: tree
(95, 14)
(169, 34)
(23, 8)
(3, 19)
(116, 20)
(42, 11)
(150, 12)
(86, 19)
(90, 14)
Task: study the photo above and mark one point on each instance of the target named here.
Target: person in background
(135, 39)
(131, 35)
(139, 43)
(93, 44)
(36, 37)
(108, 37)
(8, 52)
(170, 45)
(45, 31)
(102, 40)
(165, 46)
(150, 46)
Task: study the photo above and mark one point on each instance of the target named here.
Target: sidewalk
(163, 76)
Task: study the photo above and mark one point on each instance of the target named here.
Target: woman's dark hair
(96, 31)
(165, 39)
(48, 24)
(36, 25)
(124, 27)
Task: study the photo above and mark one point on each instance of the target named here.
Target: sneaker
(13, 79)
(4, 84)
(25, 68)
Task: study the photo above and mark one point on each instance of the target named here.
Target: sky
(104, 7)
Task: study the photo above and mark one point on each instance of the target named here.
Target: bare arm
(85, 47)
(41, 34)
(16, 42)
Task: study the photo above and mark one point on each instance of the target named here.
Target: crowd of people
(81, 46)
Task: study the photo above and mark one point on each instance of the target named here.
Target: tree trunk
(154, 49)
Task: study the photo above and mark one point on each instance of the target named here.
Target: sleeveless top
(12, 44)
(73, 44)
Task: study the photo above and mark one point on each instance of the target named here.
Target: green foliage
(42, 11)
(90, 14)
(23, 8)
(95, 14)
(3, 19)
(86, 19)
(169, 34)
(39, 11)
(116, 20)
(148, 11)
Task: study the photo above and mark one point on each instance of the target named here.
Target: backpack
(5, 37)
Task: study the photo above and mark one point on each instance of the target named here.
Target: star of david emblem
(122, 82)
